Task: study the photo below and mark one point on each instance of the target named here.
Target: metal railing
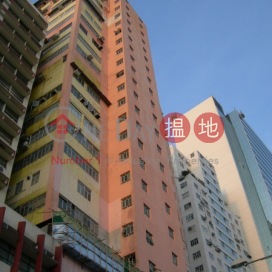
(85, 247)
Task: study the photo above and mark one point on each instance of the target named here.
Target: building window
(164, 186)
(81, 162)
(140, 144)
(117, 15)
(199, 268)
(133, 70)
(31, 205)
(151, 92)
(131, 259)
(156, 132)
(117, 8)
(132, 58)
(121, 101)
(131, 48)
(171, 232)
(129, 30)
(134, 81)
(155, 118)
(121, 87)
(142, 163)
(122, 117)
(119, 62)
(152, 267)
(147, 69)
(118, 23)
(138, 126)
(174, 259)
(162, 167)
(152, 104)
(128, 229)
(196, 255)
(183, 184)
(211, 256)
(159, 149)
(194, 242)
(35, 178)
(84, 190)
(125, 177)
(167, 208)
(119, 74)
(144, 185)
(126, 202)
(123, 135)
(137, 110)
(149, 238)
(124, 155)
(187, 206)
(136, 96)
(118, 41)
(19, 187)
(189, 217)
(39, 153)
(146, 210)
(149, 80)
(83, 29)
(119, 51)
(185, 195)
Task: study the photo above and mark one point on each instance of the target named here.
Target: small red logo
(62, 124)
(175, 127)
(208, 127)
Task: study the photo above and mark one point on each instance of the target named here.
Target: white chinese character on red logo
(175, 127)
(209, 127)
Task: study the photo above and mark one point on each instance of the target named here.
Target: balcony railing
(9, 88)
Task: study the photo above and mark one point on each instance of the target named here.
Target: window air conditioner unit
(209, 243)
(77, 72)
(90, 57)
(35, 104)
(100, 47)
(25, 144)
(101, 39)
(54, 92)
(55, 37)
(42, 100)
(217, 249)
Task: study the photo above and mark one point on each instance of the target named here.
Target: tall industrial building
(244, 173)
(213, 233)
(91, 149)
(21, 40)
